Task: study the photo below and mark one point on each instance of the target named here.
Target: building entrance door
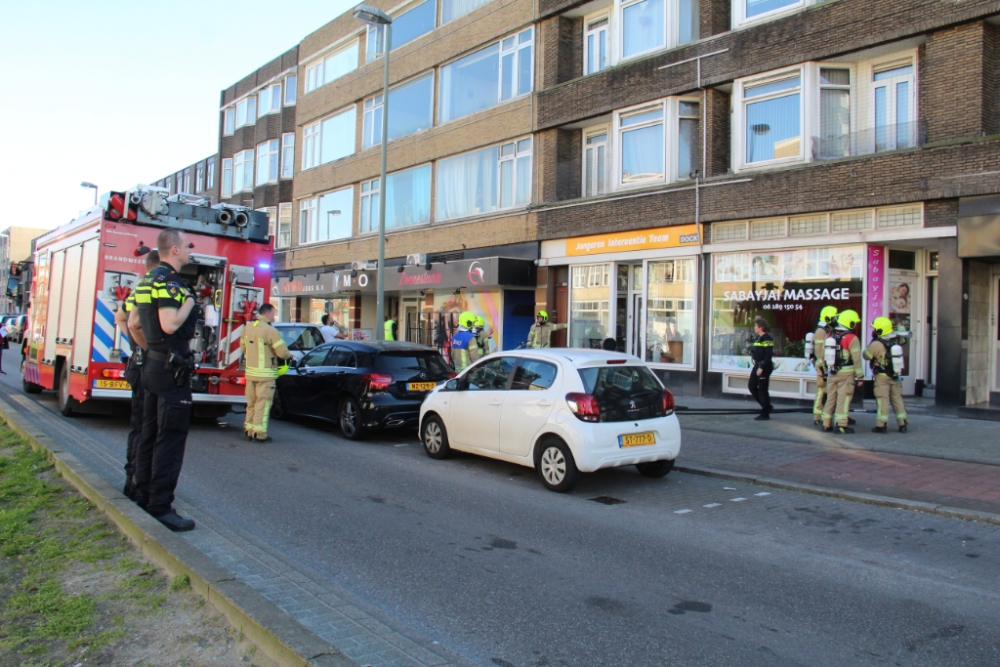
(408, 325)
(995, 331)
(930, 376)
(906, 310)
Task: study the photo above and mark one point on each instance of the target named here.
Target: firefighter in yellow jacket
(886, 368)
(263, 349)
(540, 334)
(844, 369)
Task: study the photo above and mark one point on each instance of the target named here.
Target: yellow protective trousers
(839, 392)
(260, 394)
(889, 392)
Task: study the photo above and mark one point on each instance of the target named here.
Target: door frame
(918, 314)
(994, 333)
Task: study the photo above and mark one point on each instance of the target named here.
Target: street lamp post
(372, 16)
(85, 184)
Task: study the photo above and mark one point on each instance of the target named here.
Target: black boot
(175, 522)
(902, 428)
(762, 417)
(817, 422)
(844, 430)
(851, 422)
(880, 429)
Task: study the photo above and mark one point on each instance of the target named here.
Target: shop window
(408, 200)
(339, 309)
(330, 68)
(327, 217)
(849, 221)
(329, 139)
(488, 77)
(905, 260)
(785, 287)
(406, 27)
(589, 305)
(410, 110)
(670, 312)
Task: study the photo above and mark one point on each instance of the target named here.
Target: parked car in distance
(300, 337)
(562, 411)
(17, 327)
(361, 386)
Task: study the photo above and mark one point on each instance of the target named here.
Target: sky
(119, 92)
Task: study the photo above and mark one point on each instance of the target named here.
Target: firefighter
(165, 312)
(480, 347)
(540, 334)
(762, 354)
(133, 375)
(888, 388)
(462, 341)
(844, 369)
(826, 318)
(263, 348)
(390, 327)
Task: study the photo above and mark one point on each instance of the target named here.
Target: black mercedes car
(361, 386)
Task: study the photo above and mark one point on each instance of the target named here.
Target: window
(284, 237)
(246, 112)
(408, 200)
(452, 9)
(534, 375)
(670, 312)
(773, 119)
(746, 11)
(332, 67)
(179, 182)
(291, 89)
(834, 112)
(484, 180)
(595, 163)
(649, 25)
(168, 183)
(329, 139)
(272, 220)
(287, 154)
(648, 154)
(490, 375)
(267, 162)
(243, 171)
(316, 358)
(589, 305)
(199, 177)
(227, 177)
(229, 124)
(327, 217)
(410, 110)
(413, 23)
(487, 77)
(210, 174)
(270, 99)
(893, 96)
(187, 180)
(596, 45)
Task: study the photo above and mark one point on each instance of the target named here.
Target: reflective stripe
(765, 343)
(265, 373)
(278, 344)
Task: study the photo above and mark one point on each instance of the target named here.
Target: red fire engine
(88, 267)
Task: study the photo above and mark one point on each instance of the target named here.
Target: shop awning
(467, 274)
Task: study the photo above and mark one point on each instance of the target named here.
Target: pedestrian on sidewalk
(888, 388)
(331, 332)
(263, 348)
(3, 346)
(763, 365)
(841, 377)
(133, 375)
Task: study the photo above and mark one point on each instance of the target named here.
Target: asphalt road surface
(689, 570)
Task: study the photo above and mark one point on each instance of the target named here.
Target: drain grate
(608, 500)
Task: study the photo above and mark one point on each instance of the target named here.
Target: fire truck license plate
(636, 440)
(112, 384)
(421, 386)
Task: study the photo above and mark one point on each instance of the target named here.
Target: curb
(281, 637)
(854, 496)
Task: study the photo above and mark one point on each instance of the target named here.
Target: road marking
(682, 511)
(403, 445)
(711, 505)
(762, 493)
(736, 500)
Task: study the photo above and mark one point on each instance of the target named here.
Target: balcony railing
(874, 140)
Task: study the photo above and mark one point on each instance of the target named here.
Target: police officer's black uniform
(762, 354)
(166, 377)
(133, 375)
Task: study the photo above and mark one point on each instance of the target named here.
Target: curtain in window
(466, 185)
(408, 197)
(688, 147)
(452, 9)
(642, 154)
(644, 27)
(835, 123)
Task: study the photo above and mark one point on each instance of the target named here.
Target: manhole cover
(608, 500)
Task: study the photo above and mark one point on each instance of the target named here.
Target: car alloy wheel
(350, 419)
(556, 466)
(434, 438)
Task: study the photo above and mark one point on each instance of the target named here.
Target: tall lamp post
(372, 16)
(85, 184)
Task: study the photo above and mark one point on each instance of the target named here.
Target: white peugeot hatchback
(562, 411)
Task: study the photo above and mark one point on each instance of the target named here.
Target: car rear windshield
(429, 362)
(300, 339)
(624, 393)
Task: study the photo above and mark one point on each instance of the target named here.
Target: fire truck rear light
(113, 373)
(238, 380)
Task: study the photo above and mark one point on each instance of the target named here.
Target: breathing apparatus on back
(826, 317)
(836, 350)
(893, 340)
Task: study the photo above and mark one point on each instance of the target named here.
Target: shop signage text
(835, 294)
(645, 239)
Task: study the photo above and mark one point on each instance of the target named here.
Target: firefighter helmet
(848, 319)
(882, 327)
(467, 320)
(543, 314)
(827, 315)
(481, 322)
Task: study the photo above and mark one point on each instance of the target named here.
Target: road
(476, 558)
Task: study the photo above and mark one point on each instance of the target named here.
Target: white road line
(762, 493)
(736, 500)
(682, 511)
(711, 505)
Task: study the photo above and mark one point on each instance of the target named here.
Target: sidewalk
(942, 461)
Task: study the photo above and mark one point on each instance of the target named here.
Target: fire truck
(85, 269)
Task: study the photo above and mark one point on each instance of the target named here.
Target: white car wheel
(435, 438)
(556, 466)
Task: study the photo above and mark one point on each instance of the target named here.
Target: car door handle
(544, 403)
(496, 401)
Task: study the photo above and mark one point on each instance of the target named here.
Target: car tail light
(238, 380)
(112, 373)
(584, 406)
(378, 381)
(668, 402)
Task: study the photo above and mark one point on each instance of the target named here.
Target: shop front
(308, 297)
(639, 288)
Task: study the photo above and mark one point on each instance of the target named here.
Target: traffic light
(117, 206)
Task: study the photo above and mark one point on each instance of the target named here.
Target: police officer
(463, 341)
(166, 313)
(540, 334)
(888, 388)
(762, 354)
(262, 347)
(826, 318)
(842, 376)
(390, 327)
(133, 375)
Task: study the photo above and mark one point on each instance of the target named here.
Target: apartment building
(15, 250)
(673, 167)
(200, 178)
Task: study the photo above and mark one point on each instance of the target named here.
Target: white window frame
(370, 196)
(270, 151)
(179, 180)
(514, 157)
(284, 237)
(316, 76)
(497, 183)
(227, 177)
(210, 173)
(291, 90)
(199, 177)
(517, 48)
(671, 30)
(228, 121)
(246, 103)
(241, 161)
(605, 14)
(272, 219)
(671, 140)
(891, 90)
(375, 103)
(740, 18)
(309, 208)
(287, 155)
(313, 140)
(268, 93)
(187, 180)
(807, 82)
(589, 188)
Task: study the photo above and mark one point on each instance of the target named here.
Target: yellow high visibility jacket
(263, 349)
